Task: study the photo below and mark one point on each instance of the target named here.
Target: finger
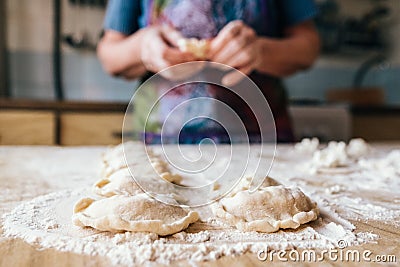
(234, 77)
(235, 46)
(227, 33)
(241, 59)
(176, 56)
(170, 57)
(171, 35)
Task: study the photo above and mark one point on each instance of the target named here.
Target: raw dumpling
(138, 213)
(122, 183)
(118, 183)
(266, 210)
(245, 183)
(114, 160)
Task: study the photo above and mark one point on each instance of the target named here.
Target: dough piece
(122, 183)
(172, 178)
(138, 213)
(118, 183)
(334, 155)
(307, 145)
(198, 48)
(266, 210)
(357, 148)
(245, 183)
(114, 160)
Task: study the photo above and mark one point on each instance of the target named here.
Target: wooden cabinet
(37, 122)
(91, 128)
(20, 127)
(377, 127)
(28, 122)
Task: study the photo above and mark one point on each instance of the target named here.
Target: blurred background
(54, 91)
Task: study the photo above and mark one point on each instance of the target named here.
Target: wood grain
(91, 128)
(15, 252)
(377, 128)
(26, 127)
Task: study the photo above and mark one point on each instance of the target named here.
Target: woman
(265, 39)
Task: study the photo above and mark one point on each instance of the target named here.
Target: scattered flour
(45, 223)
(307, 145)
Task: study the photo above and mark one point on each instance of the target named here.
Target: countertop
(27, 172)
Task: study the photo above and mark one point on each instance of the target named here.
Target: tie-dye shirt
(203, 19)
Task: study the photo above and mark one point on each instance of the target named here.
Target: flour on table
(46, 223)
(307, 145)
(336, 156)
(46, 220)
(387, 166)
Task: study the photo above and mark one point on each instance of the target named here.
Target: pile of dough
(122, 183)
(198, 48)
(245, 183)
(357, 148)
(337, 155)
(334, 155)
(138, 213)
(124, 206)
(270, 208)
(307, 145)
(114, 160)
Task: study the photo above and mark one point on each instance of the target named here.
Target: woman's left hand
(237, 46)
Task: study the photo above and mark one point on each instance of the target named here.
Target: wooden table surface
(22, 179)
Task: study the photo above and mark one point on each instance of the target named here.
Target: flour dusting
(45, 222)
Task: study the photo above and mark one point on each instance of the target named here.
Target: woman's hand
(237, 46)
(159, 49)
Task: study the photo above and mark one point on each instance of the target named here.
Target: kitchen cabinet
(28, 122)
(379, 123)
(377, 127)
(91, 128)
(77, 123)
(27, 127)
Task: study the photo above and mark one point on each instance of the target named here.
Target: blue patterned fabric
(203, 19)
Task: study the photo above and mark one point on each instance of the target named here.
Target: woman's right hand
(159, 49)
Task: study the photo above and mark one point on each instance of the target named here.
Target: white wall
(30, 43)
(29, 23)
(359, 7)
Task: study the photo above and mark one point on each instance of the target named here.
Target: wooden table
(22, 178)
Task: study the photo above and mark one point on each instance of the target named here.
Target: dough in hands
(198, 48)
(138, 213)
(267, 210)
